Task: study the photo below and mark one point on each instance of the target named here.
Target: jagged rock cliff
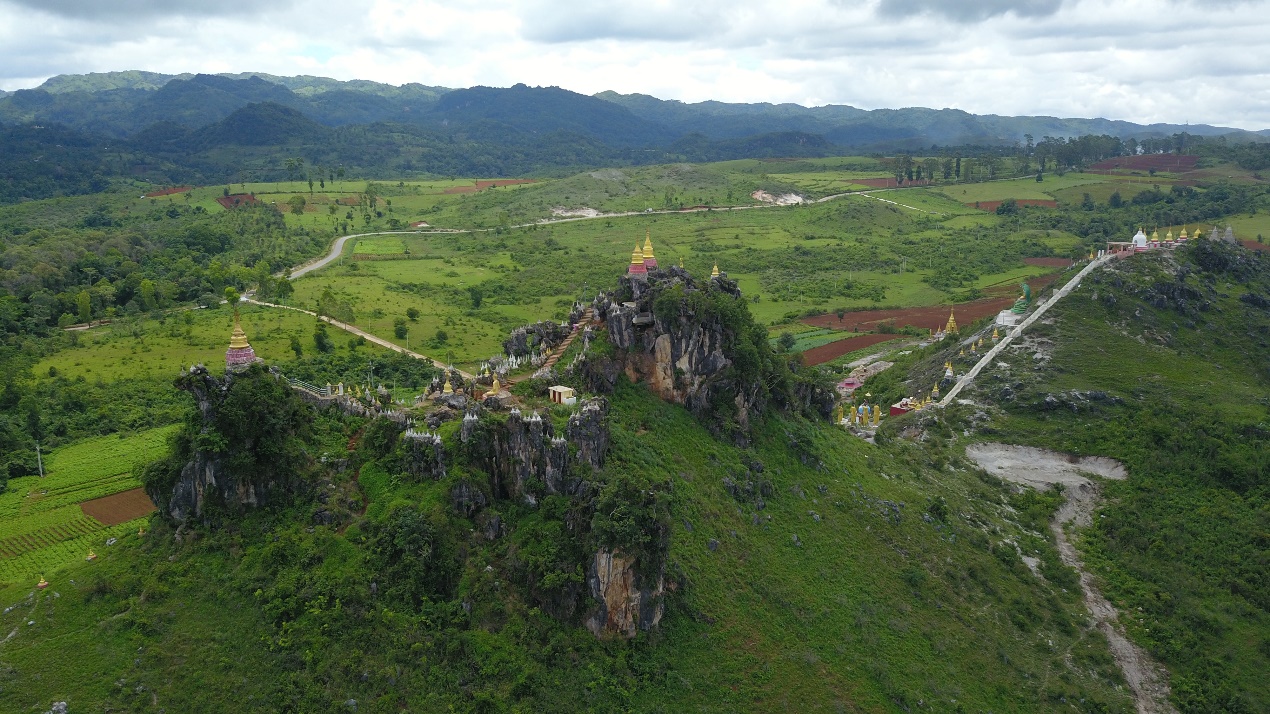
(627, 600)
(695, 344)
(524, 457)
(242, 453)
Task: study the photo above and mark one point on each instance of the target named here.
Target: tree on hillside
(297, 204)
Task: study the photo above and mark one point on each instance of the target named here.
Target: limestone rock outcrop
(695, 344)
(527, 460)
(219, 478)
(627, 600)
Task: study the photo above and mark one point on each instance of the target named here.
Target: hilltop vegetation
(1159, 361)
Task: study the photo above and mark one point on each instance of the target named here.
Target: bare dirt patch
(930, 316)
(833, 350)
(1049, 262)
(482, 185)
(994, 205)
(234, 200)
(119, 508)
(1043, 469)
(169, 191)
(1146, 162)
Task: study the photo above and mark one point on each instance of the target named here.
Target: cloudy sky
(1197, 61)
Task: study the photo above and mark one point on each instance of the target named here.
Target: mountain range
(120, 104)
(74, 132)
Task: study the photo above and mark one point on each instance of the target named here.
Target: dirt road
(1042, 469)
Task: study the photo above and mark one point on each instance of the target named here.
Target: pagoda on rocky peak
(240, 355)
(951, 327)
(715, 273)
(637, 268)
(650, 262)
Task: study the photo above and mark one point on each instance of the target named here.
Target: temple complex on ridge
(240, 354)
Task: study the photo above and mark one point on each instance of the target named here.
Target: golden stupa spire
(447, 389)
(715, 273)
(238, 338)
(648, 243)
(952, 321)
(1183, 236)
(637, 255)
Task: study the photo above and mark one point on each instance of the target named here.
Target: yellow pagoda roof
(1155, 235)
(1183, 235)
(447, 389)
(648, 244)
(637, 255)
(238, 338)
(715, 273)
(1169, 236)
(952, 322)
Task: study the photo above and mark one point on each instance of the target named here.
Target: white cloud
(1139, 60)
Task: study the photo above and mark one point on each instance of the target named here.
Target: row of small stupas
(644, 262)
(1141, 243)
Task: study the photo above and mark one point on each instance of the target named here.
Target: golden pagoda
(995, 335)
(240, 352)
(1183, 235)
(447, 389)
(952, 322)
(42, 584)
(637, 268)
(650, 262)
(91, 556)
(1155, 236)
(934, 392)
(715, 273)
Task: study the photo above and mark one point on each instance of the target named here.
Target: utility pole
(39, 459)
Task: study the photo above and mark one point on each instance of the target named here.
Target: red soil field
(235, 200)
(1049, 262)
(824, 353)
(118, 508)
(482, 185)
(992, 205)
(1254, 245)
(928, 317)
(1146, 162)
(169, 191)
(888, 182)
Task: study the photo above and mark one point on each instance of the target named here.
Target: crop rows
(16, 545)
(47, 560)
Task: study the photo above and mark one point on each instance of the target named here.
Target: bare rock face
(525, 340)
(588, 433)
(527, 460)
(424, 455)
(627, 601)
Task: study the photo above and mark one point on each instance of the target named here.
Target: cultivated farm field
(42, 526)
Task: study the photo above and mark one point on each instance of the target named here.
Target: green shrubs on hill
(1160, 363)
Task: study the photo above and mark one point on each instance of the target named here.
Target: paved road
(361, 333)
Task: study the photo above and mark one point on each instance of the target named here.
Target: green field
(41, 525)
(1021, 188)
(379, 245)
(161, 347)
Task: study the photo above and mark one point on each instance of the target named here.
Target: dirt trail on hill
(1042, 469)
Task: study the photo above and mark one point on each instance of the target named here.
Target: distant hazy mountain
(121, 104)
(849, 126)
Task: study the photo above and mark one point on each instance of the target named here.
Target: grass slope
(869, 579)
(1172, 365)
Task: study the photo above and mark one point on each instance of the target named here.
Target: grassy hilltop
(809, 571)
